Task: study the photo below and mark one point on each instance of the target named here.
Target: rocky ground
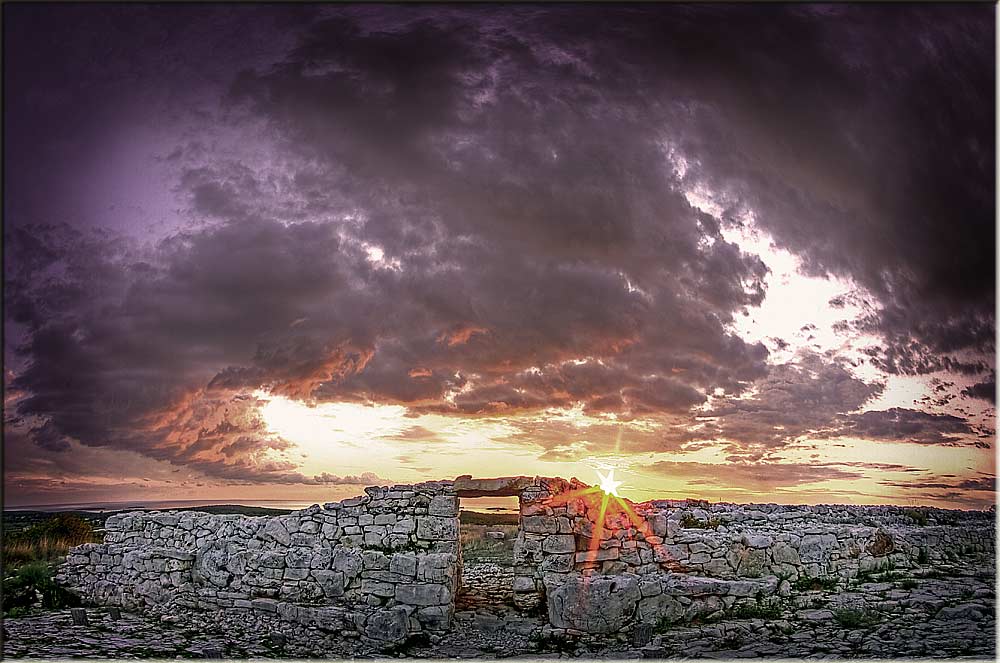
(949, 615)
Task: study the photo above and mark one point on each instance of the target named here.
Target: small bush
(33, 583)
(918, 516)
(908, 583)
(923, 556)
(553, 642)
(690, 522)
(663, 624)
(826, 583)
(855, 618)
(889, 575)
(759, 609)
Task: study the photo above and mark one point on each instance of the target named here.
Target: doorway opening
(488, 533)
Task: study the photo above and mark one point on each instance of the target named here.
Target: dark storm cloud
(984, 483)
(908, 426)
(455, 206)
(986, 390)
(797, 398)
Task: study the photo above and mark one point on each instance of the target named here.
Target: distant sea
(481, 504)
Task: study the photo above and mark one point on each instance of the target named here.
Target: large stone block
(436, 567)
(330, 582)
(782, 553)
(594, 604)
(540, 524)
(388, 625)
(423, 594)
(599, 555)
(559, 543)
(817, 547)
(275, 531)
(443, 505)
(434, 618)
(437, 528)
(404, 564)
(348, 561)
(298, 558)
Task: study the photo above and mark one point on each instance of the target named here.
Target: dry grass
(476, 545)
(45, 541)
(23, 551)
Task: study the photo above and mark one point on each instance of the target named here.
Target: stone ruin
(387, 565)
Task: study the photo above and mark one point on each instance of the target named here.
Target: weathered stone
(437, 528)
(598, 555)
(389, 625)
(595, 604)
(422, 594)
(558, 563)
(443, 505)
(540, 524)
(275, 531)
(817, 548)
(559, 543)
(782, 553)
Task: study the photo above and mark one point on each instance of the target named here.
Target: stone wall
(676, 560)
(388, 565)
(381, 566)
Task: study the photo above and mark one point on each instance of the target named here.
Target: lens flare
(608, 483)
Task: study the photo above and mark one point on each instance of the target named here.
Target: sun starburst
(608, 483)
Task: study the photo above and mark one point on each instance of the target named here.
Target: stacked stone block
(384, 565)
(388, 564)
(681, 559)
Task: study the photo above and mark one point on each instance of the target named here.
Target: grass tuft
(856, 618)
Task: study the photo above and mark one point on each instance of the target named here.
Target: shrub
(908, 583)
(554, 642)
(826, 583)
(918, 516)
(690, 522)
(759, 609)
(663, 624)
(31, 583)
(855, 618)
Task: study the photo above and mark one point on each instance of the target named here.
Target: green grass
(855, 618)
(759, 609)
(918, 516)
(32, 585)
(889, 575)
(825, 583)
(29, 556)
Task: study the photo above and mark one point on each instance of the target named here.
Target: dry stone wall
(387, 565)
(381, 566)
(602, 564)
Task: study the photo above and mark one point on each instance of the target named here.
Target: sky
(741, 253)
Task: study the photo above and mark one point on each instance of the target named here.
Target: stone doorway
(489, 527)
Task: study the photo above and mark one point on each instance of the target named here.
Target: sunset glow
(262, 259)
